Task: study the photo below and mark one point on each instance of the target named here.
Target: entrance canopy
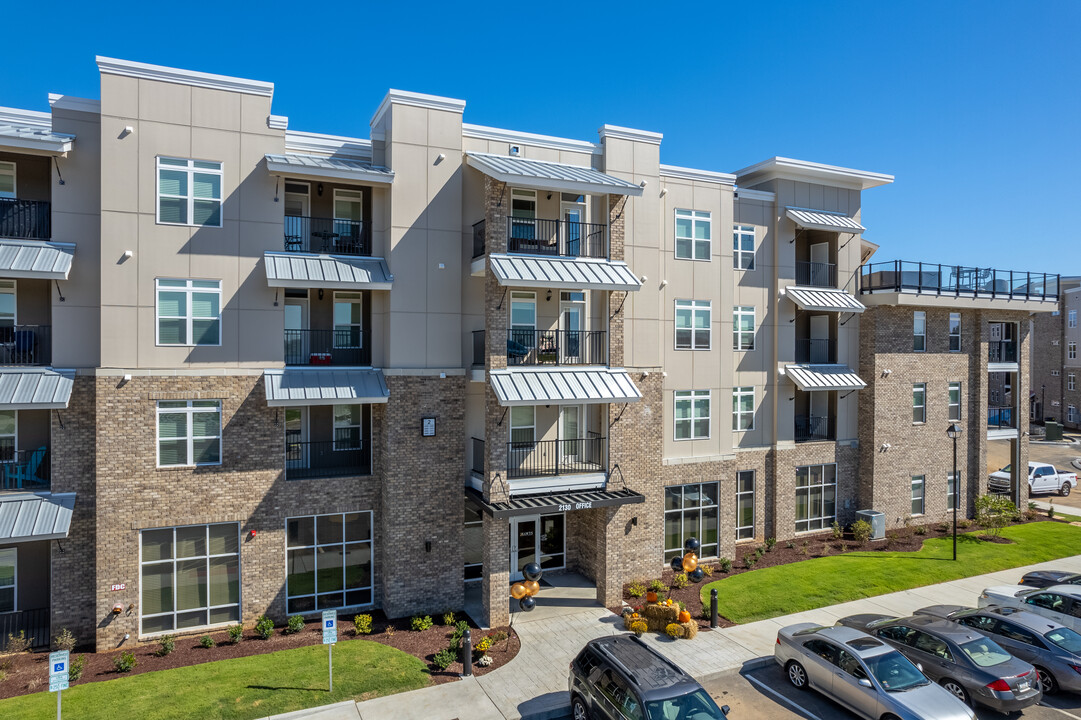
(555, 502)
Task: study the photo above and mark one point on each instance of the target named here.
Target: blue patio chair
(25, 474)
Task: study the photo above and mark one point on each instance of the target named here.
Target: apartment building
(1056, 368)
(251, 369)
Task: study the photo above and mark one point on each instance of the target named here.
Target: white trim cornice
(144, 71)
(67, 102)
(30, 118)
(682, 173)
(277, 122)
(346, 148)
(550, 142)
(623, 133)
(806, 171)
(745, 194)
(404, 97)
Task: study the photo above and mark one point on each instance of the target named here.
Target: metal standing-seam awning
(823, 220)
(35, 388)
(554, 386)
(544, 175)
(824, 377)
(290, 387)
(824, 299)
(341, 272)
(302, 165)
(38, 139)
(546, 272)
(35, 516)
(35, 259)
(556, 502)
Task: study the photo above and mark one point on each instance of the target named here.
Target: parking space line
(1064, 712)
(774, 693)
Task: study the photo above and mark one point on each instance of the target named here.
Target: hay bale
(690, 629)
(659, 616)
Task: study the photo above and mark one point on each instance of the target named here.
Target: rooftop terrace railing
(958, 280)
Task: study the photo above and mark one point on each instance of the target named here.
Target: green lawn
(241, 688)
(769, 592)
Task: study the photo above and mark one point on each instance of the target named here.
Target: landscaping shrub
(789, 545)
(674, 630)
(707, 570)
(638, 627)
(921, 530)
(125, 662)
(770, 543)
(389, 631)
(236, 633)
(636, 589)
(803, 550)
(1051, 510)
(459, 633)
(295, 625)
(680, 581)
(964, 524)
(264, 627)
(444, 658)
(1032, 505)
(362, 624)
(166, 644)
(421, 622)
(484, 645)
(844, 546)
(749, 561)
(759, 552)
(725, 564)
(484, 660)
(76, 667)
(682, 605)
(65, 640)
(861, 531)
(657, 586)
(825, 549)
(206, 641)
(890, 538)
(448, 618)
(994, 513)
(18, 643)
(838, 532)
(498, 636)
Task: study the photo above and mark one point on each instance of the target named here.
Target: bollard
(713, 608)
(467, 654)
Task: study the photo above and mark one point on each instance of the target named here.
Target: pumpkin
(684, 616)
(651, 596)
(634, 616)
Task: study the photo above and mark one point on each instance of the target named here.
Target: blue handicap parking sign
(58, 667)
(330, 623)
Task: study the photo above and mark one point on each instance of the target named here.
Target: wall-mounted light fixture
(319, 189)
(664, 191)
(643, 183)
(664, 283)
(320, 293)
(549, 196)
(548, 298)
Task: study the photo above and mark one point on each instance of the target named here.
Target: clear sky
(974, 106)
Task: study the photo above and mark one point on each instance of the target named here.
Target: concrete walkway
(533, 686)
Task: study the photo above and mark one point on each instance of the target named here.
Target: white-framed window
(348, 319)
(955, 401)
(744, 504)
(1054, 373)
(693, 324)
(919, 403)
(189, 192)
(1071, 381)
(328, 563)
(743, 408)
(693, 235)
(7, 180)
(743, 328)
(1071, 318)
(917, 494)
(955, 332)
(691, 511)
(1071, 351)
(9, 434)
(692, 414)
(348, 427)
(743, 247)
(816, 496)
(951, 491)
(188, 312)
(523, 425)
(189, 577)
(9, 566)
(1071, 414)
(189, 432)
(473, 541)
(919, 331)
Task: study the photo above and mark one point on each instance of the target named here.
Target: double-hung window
(919, 403)
(1071, 381)
(919, 331)
(951, 491)
(7, 181)
(955, 332)
(744, 504)
(743, 328)
(693, 235)
(691, 511)
(693, 324)
(189, 312)
(189, 432)
(692, 414)
(1071, 414)
(743, 247)
(328, 561)
(189, 192)
(917, 494)
(743, 408)
(1071, 351)
(348, 427)
(1071, 315)
(8, 573)
(348, 320)
(955, 401)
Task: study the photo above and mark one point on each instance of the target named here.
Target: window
(692, 414)
(955, 332)
(743, 328)
(1071, 350)
(816, 496)
(348, 320)
(952, 491)
(692, 235)
(8, 566)
(328, 561)
(919, 403)
(955, 401)
(1071, 316)
(523, 225)
(523, 320)
(743, 247)
(522, 425)
(614, 690)
(189, 192)
(9, 434)
(693, 324)
(743, 408)
(189, 432)
(190, 577)
(1071, 414)
(1018, 634)
(1054, 373)
(348, 427)
(473, 541)
(7, 183)
(744, 504)
(189, 312)
(919, 331)
(691, 511)
(917, 495)
(1071, 381)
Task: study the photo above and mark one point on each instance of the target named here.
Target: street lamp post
(1043, 404)
(953, 432)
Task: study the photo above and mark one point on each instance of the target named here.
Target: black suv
(621, 678)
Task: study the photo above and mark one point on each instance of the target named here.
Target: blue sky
(977, 114)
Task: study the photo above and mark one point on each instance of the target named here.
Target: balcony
(305, 460)
(328, 235)
(343, 347)
(556, 457)
(812, 351)
(25, 219)
(34, 624)
(26, 345)
(556, 347)
(24, 469)
(478, 239)
(1002, 351)
(478, 457)
(958, 280)
(810, 428)
(556, 238)
(816, 274)
(1000, 418)
(478, 348)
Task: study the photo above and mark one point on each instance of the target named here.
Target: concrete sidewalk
(533, 686)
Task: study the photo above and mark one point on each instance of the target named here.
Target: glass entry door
(540, 539)
(297, 350)
(523, 544)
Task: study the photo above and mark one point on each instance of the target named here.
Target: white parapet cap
(745, 194)
(26, 118)
(404, 97)
(624, 133)
(113, 66)
(550, 142)
(711, 176)
(806, 171)
(277, 122)
(345, 148)
(59, 101)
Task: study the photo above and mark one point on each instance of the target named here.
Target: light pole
(1043, 406)
(953, 432)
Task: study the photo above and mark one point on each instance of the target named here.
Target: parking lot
(1059, 455)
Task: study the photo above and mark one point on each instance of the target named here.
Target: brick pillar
(496, 204)
(974, 441)
(495, 585)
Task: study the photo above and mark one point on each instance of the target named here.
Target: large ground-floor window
(744, 504)
(7, 579)
(691, 511)
(328, 561)
(473, 543)
(816, 496)
(190, 577)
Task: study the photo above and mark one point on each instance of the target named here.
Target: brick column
(495, 585)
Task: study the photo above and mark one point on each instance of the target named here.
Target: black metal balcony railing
(348, 346)
(326, 459)
(26, 345)
(999, 416)
(478, 347)
(33, 624)
(478, 239)
(25, 219)
(556, 457)
(1002, 351)
(810, 428)
(478, 456)
(328, 235)
(556, 347)
(24, 469)
(816, 352)
(901, 276)
(535, 236)
(816, 274)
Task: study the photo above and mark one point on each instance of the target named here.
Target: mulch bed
(28, 672)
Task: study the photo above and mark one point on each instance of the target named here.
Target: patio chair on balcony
(25, 343)
(24, 474)
(516, 349)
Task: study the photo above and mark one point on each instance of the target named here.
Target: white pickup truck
(1042, 478)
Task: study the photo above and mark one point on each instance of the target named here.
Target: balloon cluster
(689, 562)
(524, 591)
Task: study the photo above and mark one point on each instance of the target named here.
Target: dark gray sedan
(1053, 649)
(969, 664)
(1047, 578)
